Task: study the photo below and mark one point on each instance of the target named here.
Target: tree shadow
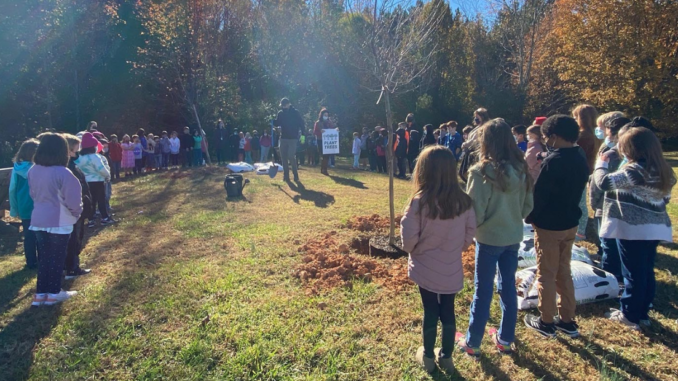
(10, 285)
(348, 182)
(593, 353)
(491, 369)
(320, 199)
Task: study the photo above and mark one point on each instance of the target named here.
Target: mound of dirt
(468, 260)
(326, 265)
(371, 223)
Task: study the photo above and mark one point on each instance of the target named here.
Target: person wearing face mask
(323, 123)
(555, 218)
(428, 139)
(608, 251)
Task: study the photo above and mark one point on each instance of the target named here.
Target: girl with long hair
(634, 213)
(438, 224)
(20, 201)
(501, 189)
(586, 117)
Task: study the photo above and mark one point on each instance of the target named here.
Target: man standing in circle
(291, 125)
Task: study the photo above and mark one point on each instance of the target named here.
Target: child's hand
(605, 157)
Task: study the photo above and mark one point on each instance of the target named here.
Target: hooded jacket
(57, 195)
(20, 201)
(499, 214)
(95, 167)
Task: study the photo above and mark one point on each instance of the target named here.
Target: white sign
(331, 142)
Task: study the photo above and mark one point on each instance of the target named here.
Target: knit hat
(88, 140)
(539, 120)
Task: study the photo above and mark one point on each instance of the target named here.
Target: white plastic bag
(591, 284)
(527, 255)
(240, 167)
(263, 169)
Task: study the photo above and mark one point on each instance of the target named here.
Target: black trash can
(233, 185)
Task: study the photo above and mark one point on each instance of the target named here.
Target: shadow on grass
(20, 336)
(492, 370)
(348, 182)
(10, 285)
(320, 199)
(594, 353)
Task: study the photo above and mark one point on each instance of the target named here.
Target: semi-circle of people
(536, 175)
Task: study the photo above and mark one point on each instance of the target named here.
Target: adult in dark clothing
(222, 138)
(401, 150)
(75, 240)
(555, 218)
(413, 149)
(233, 144)
(186, 144)
(429, 138)
(411, 126)
(291, 126)
(469, 154)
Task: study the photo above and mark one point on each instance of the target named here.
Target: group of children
(629, 189)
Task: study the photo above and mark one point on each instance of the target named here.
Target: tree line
(164, 64)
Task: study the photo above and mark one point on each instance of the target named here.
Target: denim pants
(248, 157)
(197, 157)
(610, 260)
(115, 169)
(356, 161)
(488, 258)
(438, 307)
(637, 263)
(30, 245)
(264, 154)
(373, 161)
(584, 220)
(165, 160)
(52, 249)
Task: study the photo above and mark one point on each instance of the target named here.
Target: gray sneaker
(618, 316)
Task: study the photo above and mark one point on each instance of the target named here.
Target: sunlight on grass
(189, 286)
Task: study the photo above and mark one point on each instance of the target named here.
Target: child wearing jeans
(175, 149)
(356, 151)
(20, 201)
(634, 213)
(501, 189)
(555, 218)
(57, 196)
(438, 224)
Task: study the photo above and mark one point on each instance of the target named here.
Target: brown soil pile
(371, 223)
(327, 264)
(468, 260)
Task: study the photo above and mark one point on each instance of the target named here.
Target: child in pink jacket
(439, 223)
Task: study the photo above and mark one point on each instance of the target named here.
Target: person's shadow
(348, 182)
(320, 199)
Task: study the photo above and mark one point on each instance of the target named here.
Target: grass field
(188, 286)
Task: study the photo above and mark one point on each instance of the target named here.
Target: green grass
(189, 286)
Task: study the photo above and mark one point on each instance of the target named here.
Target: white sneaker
(618, 316)
(53, 299)
(38, 300)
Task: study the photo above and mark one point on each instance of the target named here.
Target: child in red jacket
(115, 153)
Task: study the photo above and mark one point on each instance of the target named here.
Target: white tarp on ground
(262, 168)
(240, 167)
(527, 255)
(591, 284)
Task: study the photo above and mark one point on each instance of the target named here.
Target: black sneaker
(571, 329)
(74, 274)
(92, 224)
(535, 323)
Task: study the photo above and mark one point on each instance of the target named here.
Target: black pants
(402, 166)
(412, 160)
(98, 191)
(438, 307)
(52, 249)
(75, 246)
(381, 164)
(138, 166)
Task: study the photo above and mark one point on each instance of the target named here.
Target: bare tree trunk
(202, 133)
(390, 156)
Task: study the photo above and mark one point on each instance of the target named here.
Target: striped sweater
(634, 207)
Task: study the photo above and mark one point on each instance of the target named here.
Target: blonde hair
(437, 186)
(498, 148)
(604, 119)
(72, 140)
